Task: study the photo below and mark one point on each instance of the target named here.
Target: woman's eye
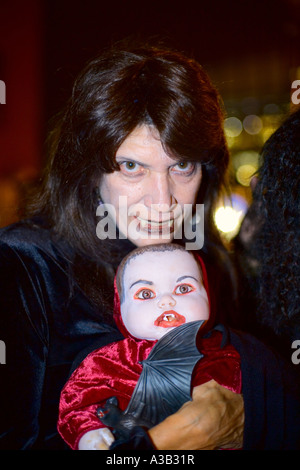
(184, 167)
(145, 294)
(183, 289)
(129, 167)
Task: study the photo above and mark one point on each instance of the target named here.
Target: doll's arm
(98, 439)
(90, 385)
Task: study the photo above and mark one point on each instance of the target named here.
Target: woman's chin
(150, 241)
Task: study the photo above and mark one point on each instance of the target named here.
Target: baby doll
(157, 289)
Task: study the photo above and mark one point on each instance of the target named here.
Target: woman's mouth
(159, 227)
(169, 319)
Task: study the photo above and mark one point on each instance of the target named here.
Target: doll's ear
(112, 401)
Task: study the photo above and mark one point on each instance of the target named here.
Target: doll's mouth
(169, 319)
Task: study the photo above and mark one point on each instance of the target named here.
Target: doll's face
(162, 290)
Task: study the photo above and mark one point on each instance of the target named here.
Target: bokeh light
(245, 164)
(252, 124)
(244, 174)
(271, 108)
(229, 215)
(233, 127)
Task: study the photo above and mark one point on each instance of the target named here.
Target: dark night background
(250, 48)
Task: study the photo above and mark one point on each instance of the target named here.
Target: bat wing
(165, 382)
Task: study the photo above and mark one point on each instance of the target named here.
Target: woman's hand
(213, 419)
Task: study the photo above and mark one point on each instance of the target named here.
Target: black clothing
(43, 328)
(46, 320)
(271, 392)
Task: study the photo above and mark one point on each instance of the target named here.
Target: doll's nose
(166, 300)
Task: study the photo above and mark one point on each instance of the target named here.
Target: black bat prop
(164, 384)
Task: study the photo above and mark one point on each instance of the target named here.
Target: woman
(145, 124)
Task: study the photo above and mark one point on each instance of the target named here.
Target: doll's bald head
(159, 248)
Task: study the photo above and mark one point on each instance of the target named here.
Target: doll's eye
(183, 289)
(144, 294)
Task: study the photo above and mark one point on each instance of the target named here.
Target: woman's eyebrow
(121, 159)
(141, 281)
(185, 276)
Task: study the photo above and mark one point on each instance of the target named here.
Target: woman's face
(162, 290)
(150, 190)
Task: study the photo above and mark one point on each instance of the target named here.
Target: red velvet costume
(115, 369)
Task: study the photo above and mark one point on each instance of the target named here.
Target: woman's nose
(166, 301)
(159, 195)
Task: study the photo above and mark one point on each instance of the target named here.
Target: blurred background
(251, 49)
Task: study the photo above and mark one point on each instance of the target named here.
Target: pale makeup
(153, 187)
(162, 290)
